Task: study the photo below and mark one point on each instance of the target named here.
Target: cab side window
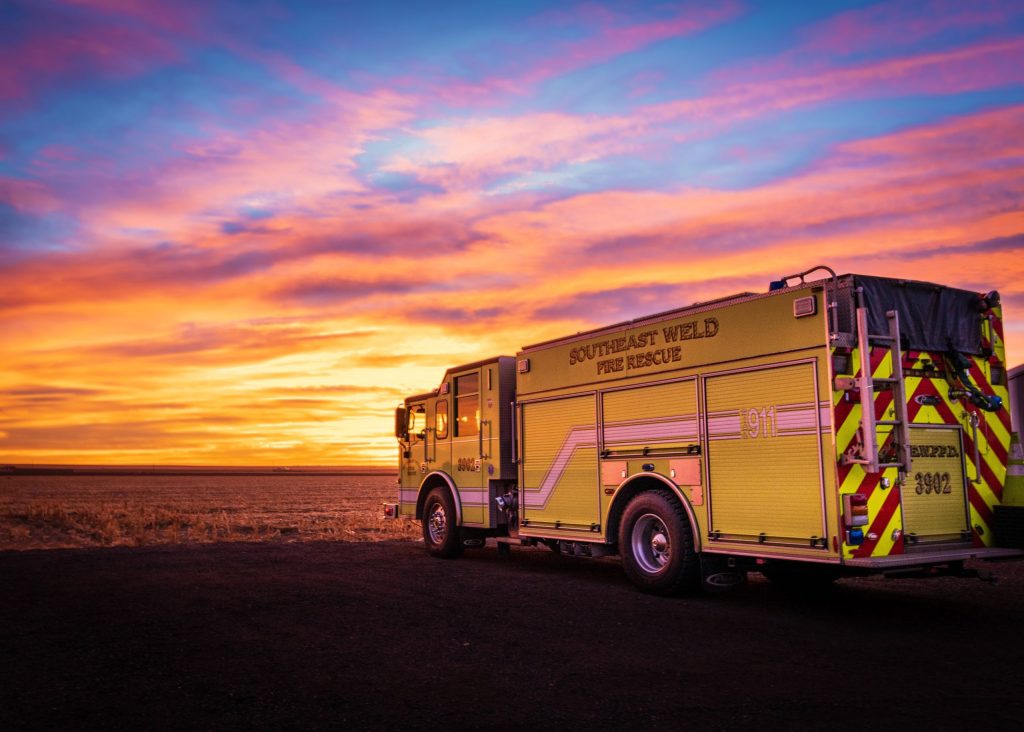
(417, 423)
(441, 419)
(467, 405)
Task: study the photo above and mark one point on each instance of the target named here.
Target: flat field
(68, 511)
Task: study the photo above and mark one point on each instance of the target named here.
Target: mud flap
(720, 573)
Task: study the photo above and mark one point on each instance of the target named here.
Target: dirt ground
(331, 635)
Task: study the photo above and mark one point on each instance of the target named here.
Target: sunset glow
(241, 232)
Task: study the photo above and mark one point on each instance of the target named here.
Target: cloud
(477, 151)
(339, 290)
(213, 344)
(34, 396)
(598, 35)
(332, 389)
(611, 304)
(27, 195)
(984, 65)
(999, 246)
(59, 46)
(889, 25)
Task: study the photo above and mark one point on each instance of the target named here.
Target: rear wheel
(440, 533)
(656, 544)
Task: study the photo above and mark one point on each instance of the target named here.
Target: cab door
(414, 455)
(467, 445)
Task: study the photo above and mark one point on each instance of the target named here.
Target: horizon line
(146, 469)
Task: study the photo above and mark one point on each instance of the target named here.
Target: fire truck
(834, 425)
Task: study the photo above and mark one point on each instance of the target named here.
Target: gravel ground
(334, 635)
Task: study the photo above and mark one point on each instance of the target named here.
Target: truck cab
(456, 449)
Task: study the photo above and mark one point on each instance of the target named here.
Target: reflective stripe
(651, 430)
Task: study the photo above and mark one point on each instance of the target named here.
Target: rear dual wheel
(656, 544)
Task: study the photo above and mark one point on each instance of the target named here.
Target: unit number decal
(470, 464)
(926, 483)
(758, 422)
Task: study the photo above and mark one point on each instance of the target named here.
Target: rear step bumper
(920, 559)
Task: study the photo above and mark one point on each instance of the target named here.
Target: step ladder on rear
(867, 455)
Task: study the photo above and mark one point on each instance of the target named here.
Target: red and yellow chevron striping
(985, 438)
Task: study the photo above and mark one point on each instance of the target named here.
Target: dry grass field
(62, 511)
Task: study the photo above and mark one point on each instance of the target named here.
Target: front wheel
(656, 543)
(440, 533)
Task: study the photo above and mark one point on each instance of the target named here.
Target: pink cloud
(883, 30)
(982, 137)
(980, 66)
(608, 36)
(61, 153)
(74, 51)
(475, 151)
(912, 202)
(469, 152)
(894, 24)
(28, 196)
(187, 17)
(280, 167)
(612, 39)
(920, 191)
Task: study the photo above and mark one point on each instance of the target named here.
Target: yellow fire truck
(837, 426)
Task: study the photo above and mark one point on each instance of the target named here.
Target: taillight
(855, 514)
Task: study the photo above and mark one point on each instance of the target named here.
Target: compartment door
(649, 420)
(935, 495)
(764, 455)
(560, 487)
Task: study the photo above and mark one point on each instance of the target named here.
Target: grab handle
(977, 451)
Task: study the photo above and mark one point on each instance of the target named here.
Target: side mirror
(401, 425)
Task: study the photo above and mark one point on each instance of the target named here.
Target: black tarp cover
(932, 317)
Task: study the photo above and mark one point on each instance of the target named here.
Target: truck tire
(440, 533)
(656, 544)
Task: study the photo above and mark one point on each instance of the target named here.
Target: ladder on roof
(865, 383)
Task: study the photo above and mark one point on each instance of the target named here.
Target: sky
(241, 232)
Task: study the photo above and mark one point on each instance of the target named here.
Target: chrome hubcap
(650, 543)
(437, 523)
